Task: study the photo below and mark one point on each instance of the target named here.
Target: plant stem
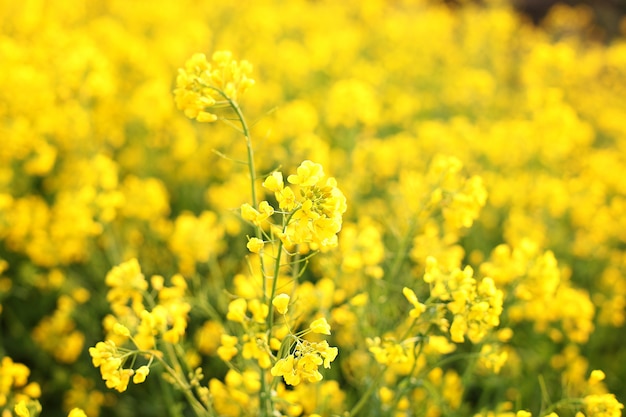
(365, 397)
(265, 396)
(252, 171)
(270, 315)
(177, 373)
(402, 254)
(246, 133)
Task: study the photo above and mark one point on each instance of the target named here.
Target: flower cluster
(15, 390)
(543, 293)
(389, 351)
(303, 363)
(166, 321)
(304, 357)
(475, 305)
(500, 156)
(111, 359)
(168, 316)
(602, 405)
(289, 354)
(203, 85)
(311, 215)
(58, 333)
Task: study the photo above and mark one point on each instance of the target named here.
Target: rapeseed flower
(203, 85)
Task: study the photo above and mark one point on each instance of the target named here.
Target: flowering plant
(423, 217)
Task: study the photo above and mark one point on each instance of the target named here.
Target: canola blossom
(311, 208)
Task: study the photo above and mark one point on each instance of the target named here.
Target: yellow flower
(249, 213)
(258, 310)
(127, 283)
(140, 374)
(603, 405)
(121, 330)
(286, 199)
(21, 410)
(418, 308)
(228, 348)
(255, 347)
(202, 85)
(237, 310)
(320, 326)
(76, 412)
(274, 182)
(255, 245)
(285, 368)
(281, 303)
(255, 216)
(304, 362)
(308, 174)
(388, 351)
(596, 376)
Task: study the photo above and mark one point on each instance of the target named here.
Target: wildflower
(57, 333)
(258, 310)
(228, 348)
(21, 409)
(76, 412)
(303, 363)
(317, 219)
(388, 351)
(106, 356)
(308, 174)
(418, 308)
(255, 216)
(466, 204)
(286, 199)
(121, 330)
(476, 307)
(255, 347)
(140, 374)
(274, 182)
(596, 376)
(255, 245)
(281, 303)
(127, 284)
(492, 357)
(320, 326)
(602, 405)
(208, 337)
(202, 85)
(237, 310)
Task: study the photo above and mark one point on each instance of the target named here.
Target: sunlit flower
(281, 303)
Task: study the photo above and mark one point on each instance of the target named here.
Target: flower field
(310, 208)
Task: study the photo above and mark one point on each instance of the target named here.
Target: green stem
(295, 271)
(365, 397)
(246, 133)
(168, 398)
(264, 394)
(177, 374)
(403, 253)
(252, 171)
(572, 402)
(407, 383)
(270, 315)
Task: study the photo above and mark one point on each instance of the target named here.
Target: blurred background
(607, 14)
